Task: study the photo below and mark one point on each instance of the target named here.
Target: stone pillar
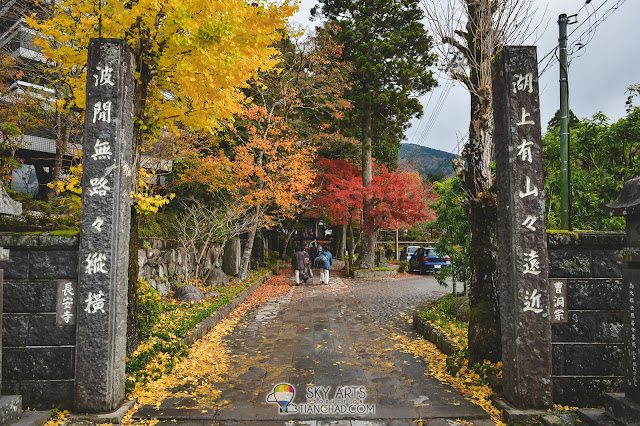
(523, 267)
(628, 205)
(231, 257)
(104, 228)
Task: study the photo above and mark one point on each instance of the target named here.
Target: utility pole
(565, 172)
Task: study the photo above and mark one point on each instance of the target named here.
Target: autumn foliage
(398, 199)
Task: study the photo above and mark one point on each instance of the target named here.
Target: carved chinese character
(104, 77)
(67, 303)
(529, 191)
(523, 82)
(102, 112)
(67, 290)
(524, 120)
(524, 151)
(531, 263)
(532, 302)
(95, 303)
(102, 150)
(97, 224)
(66, 316)
(558, 287)
(529, 221)
(559, 303)
(99, 186)
(558, 314)
(96, 262)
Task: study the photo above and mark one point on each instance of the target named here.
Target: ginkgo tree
(192, 59)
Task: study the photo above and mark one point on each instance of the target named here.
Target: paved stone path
(319, 337)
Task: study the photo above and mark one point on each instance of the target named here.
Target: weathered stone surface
(231, 257)
(558, 357)
(105, 223)
(590, 326)
(594, 360)
(605, 264)
(217, 277)
(35, 296)
(569, 264)
(17, 266)
(523, 269)
(38, 363)
(601, 294)
(631, 278)
(43, 394)
(577, 391)
(44, 331)
(8, 205)
(10, 409)
(14, 329)
(12, 240)
(609, 327)
(189, 293)
(53, 264)
(628, 202)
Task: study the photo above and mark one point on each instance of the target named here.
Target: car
(426, 259)
(407, 252)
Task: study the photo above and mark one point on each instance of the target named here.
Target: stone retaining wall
(164, 263)
(588, 351)
(38, 356)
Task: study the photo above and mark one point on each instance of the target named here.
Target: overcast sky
(599, 74)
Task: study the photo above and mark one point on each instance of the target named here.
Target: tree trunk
(350, 245)
(248, 248)
(367, 250)
(62, 141)
(139, 103)
(484, 311)
(343, 241)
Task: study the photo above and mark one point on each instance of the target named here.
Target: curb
(197, 332)
(425, 329)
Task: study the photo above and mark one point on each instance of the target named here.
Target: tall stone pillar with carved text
(522, 249)
(104, 229)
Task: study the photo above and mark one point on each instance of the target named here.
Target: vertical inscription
(559, 310)
(523, 271)
(105, 223)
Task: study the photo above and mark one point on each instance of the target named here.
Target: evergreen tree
(389, 50)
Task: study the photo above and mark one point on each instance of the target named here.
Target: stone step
(10, 408)
(32, 418)
(596, 417)
(621, 408)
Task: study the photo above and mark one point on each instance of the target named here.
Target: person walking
(298, 264)
(324, 260)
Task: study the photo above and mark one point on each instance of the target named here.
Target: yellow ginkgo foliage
(192, 56)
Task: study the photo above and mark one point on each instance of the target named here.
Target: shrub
(404, 267)
(149, 308)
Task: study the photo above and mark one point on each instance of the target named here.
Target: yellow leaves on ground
(209, 358)
(466, 382)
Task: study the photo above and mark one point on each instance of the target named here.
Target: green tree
(389, 50)
(603, 157)
(453, 225)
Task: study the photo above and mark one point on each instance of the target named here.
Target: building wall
(588, 356)
(38, 356)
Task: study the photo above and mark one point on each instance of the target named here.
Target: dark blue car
(426, 259)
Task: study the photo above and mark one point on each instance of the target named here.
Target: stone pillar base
(10, 409)
(622, 409)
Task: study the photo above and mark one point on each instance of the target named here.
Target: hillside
(425, 160)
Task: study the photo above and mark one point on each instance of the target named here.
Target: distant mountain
(425, 160)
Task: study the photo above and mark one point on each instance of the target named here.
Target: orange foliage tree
(268, 165)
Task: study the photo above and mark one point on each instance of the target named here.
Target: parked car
(426, 259)
(407, 252)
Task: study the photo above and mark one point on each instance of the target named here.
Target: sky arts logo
(320, 400)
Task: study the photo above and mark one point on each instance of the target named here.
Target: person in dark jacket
(298, 263)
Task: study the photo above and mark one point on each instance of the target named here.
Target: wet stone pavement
(325, 339)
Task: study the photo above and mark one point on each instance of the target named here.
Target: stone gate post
(104, 229)
(624, 408)
(522, 250)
